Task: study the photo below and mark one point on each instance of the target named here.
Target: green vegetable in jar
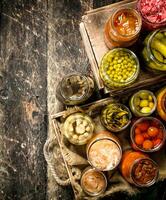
(119, 67)
(154, 51)
(115, 117)
(143, 103)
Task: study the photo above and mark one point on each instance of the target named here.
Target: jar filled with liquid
(74, 89)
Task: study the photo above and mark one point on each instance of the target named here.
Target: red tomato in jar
(153, 131)
(143, 126)
(157, 141)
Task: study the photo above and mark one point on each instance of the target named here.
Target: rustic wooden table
(39, 43)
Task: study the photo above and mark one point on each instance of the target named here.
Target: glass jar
(74, 89)
(115, 117)
(93, 182)
(104, 151)
(138, 169)
(119, 68)
(161, 103)
(143, 103)
(152, 13)
(154, 51)
(123, 28)
(147, 134)
(78, 128)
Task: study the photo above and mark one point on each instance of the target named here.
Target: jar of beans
(75, 89)
(138, 169)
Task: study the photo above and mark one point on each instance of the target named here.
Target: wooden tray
(94, 109)
(91, 29)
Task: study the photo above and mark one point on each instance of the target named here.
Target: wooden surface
(39, 43)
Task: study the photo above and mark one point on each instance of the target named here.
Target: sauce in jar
(138, 169)
(93, 182)
(153, 13)
(122, 28)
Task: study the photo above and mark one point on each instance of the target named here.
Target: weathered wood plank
(23, 59)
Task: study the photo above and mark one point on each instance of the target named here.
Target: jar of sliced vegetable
(115, 117)
(154, 51)
(119, 68)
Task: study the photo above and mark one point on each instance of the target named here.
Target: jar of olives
(143, 103)
(74, 89)
(119, 68)
(154, 51)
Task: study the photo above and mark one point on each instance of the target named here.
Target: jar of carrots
(122, 28)
(138, 169)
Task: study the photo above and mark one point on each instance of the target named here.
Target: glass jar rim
(136, 62)
(132, 135)
(130, 10)
(154, 99)
(149, 46)
(63, 81)
(104, 138)
(132, 171)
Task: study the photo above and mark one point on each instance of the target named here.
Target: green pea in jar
(119, 68)
(154, 51)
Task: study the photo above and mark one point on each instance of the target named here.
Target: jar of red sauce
(122, 28)
(153, 13)
(161, 103)
(138, 169)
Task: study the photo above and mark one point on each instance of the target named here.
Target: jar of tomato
(154, 51)
(161, 103)
(138, 169)
(122, 28)
(153, 13)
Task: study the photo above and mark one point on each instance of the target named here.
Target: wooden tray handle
(48, 146)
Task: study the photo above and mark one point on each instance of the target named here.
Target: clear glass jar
(138, 169)
(147, 134)
(143, 103)
(152, 13)
(161, 103)
(123, 28)
(74, 89)
(154, 51)
(104, 151)
(93, 182)
(119, 68)
(115, 117)
(78, 128)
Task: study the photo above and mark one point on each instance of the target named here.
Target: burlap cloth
(77, 162)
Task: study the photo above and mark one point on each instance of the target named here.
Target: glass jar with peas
(119, 68)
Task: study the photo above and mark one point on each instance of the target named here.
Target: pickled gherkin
(154, 51)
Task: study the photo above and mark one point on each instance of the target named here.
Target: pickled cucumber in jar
(154, 51)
